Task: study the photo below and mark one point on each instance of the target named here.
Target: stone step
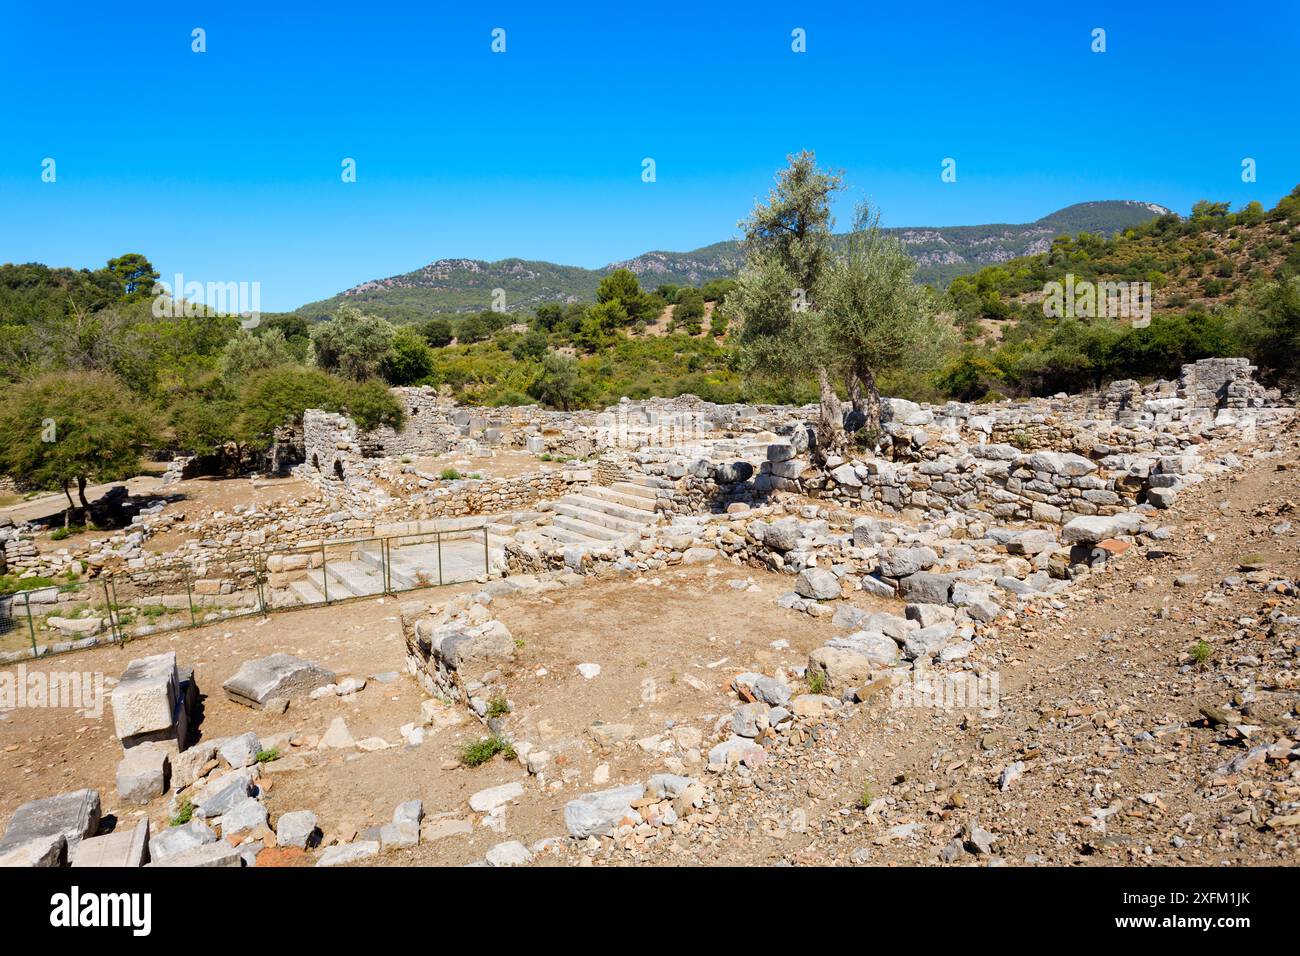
(594, 532)
(549, 536)
(328, 587)
(355, 576)
(635, 502)
(644, 492)
(306, 591)
(603, 513)
(646, 481)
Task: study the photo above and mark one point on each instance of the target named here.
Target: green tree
(787, 247)
(473, 328)
(1270, 327)
(437, 332)
(352, 344)
(599, 324)
(249, 352)
(410, 359)
(66, 428)
(279, 396)
(689, 310)
(530, 346)
(134, 275)
(624, 289)
(558, 384)
(847, 317)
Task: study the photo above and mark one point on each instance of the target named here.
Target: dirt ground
(1102, 703)
(666, 645)
(498, 463)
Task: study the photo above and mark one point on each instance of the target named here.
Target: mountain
(941, 252)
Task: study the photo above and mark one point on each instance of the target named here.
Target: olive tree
(66, 428)
(840, 309)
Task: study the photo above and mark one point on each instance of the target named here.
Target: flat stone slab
(174, 840)
(348, 853)
(280, 675)
(595, 814)
(208, 855)
(485, 801)
(49, 850)
(125, 847)
(144, 700)
(75, 815)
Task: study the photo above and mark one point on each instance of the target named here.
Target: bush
(481, 751)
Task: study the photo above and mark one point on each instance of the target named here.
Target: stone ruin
(961, 513)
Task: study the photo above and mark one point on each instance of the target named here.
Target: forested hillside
(90, 342)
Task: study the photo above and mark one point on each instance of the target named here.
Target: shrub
(481, 751)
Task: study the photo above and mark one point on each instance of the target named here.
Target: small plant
(816, 682)
(184, 811)
(498, 706)
(58, 534)
(266, 756)
(449, 474)
(1202, 651)
(481, 751)
(864, 799)
(546, 456)
(1022, 441)
(867, 438)
(153, 610)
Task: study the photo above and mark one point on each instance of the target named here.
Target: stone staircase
(600, 516)
(412, 566)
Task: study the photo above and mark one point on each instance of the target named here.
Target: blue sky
(226, 165)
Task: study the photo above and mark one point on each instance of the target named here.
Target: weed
(481, 751)
(816, 682)
(184, 810)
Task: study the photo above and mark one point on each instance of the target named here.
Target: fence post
(189, 598)
(257, 580)
(108, 610)
(31, 626)
(324, 578)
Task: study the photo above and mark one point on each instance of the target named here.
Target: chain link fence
(128, 603)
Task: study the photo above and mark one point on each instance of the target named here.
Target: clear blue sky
(226, 165)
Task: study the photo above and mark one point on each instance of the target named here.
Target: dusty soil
(44, 751)
(1101, 702)
(666, 646)
(200, 498)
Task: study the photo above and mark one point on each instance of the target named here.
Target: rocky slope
(942, 252)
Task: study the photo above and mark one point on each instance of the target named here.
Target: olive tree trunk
(831, 439)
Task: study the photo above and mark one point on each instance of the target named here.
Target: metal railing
(136, 603)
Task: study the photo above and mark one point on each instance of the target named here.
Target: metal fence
(25, 616)
(211, 588)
